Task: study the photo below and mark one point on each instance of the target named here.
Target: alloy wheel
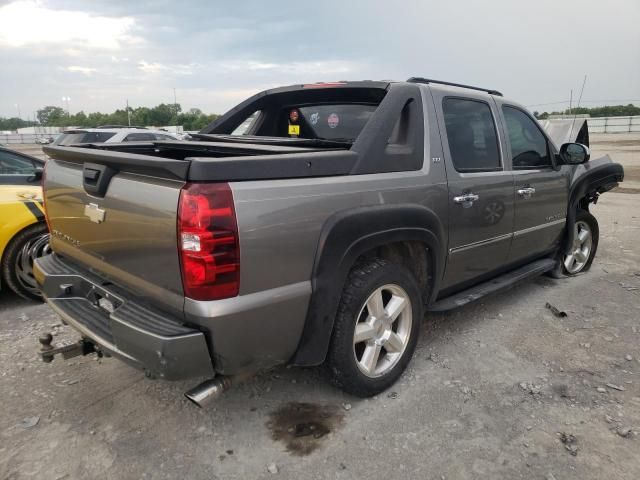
(575, 261)
(382, 331)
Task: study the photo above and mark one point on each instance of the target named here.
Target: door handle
(526, 192)
(466, 200)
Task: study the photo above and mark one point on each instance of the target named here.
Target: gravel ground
(499, 389)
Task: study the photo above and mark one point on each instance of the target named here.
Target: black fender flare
(347, 235)
(587, 185)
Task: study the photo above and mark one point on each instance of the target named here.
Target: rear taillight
(208, 241)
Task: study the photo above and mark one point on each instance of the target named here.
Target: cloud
(155, 67)
(215, 53)
(84, 70)
(328, 67)
(24, 23)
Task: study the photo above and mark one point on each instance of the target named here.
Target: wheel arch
(585, 189)
(345, 238)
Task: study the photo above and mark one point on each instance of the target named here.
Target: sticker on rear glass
(294, 129)
(293, 116)
(333, 120)
(315, 117)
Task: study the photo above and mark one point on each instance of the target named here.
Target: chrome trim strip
(499, 238)
(519, 233)
(480, 243)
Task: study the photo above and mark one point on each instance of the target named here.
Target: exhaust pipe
(208, 390)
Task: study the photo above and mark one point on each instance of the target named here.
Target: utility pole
(128, 113)
(570, 101)
(18, 107)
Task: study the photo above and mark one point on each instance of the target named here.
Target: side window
(160, 136)
(139, 137)
(528, 145)
(12, 164)
(471, 132)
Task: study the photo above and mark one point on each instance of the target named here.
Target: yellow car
(23, 230)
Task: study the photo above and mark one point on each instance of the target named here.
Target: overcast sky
(216, 53)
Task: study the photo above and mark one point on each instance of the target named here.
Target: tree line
(195, 119)
(606, 111)
(163, 114)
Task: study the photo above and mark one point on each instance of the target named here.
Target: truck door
(540, 189)
(480, 188)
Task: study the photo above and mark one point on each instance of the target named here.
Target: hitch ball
(45, 340)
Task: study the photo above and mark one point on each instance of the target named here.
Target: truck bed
(212, 161)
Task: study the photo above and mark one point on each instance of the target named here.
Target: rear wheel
(583, 248)
(17, 263)
(376, 329)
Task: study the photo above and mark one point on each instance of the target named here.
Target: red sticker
(293, 116)
(333, 120)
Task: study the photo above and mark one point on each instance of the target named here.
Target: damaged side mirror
(574, 153)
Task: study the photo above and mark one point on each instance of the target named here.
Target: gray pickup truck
(311, 224)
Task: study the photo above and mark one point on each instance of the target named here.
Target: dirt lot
(498, 389)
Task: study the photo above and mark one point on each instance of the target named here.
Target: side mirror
(37, 175)
(574, 153)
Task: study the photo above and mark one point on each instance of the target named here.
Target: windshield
(83, 137)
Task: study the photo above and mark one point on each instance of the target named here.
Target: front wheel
(376, 328)
(583, 249)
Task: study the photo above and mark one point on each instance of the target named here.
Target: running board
(502, 282)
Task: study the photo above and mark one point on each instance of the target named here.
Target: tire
(351, 364)
(569, 265)
(17, 262)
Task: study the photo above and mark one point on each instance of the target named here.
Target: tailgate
(117, 222)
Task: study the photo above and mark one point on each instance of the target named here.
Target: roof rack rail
(440, 82)
(122, 126)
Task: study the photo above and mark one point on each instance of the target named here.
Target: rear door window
(471, 133)
(160, 136)
(529, 147)
(139, 137)
(83, 137)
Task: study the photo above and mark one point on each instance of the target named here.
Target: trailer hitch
(48, 351)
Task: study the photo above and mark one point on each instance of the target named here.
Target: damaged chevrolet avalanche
(311, 224)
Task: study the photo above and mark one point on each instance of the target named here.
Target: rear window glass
(334, 122)
(83, 137)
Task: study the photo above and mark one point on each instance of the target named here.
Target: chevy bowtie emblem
(95, 213)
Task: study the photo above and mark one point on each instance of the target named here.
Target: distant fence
(22, 138)
(596, 125)
(614, 124)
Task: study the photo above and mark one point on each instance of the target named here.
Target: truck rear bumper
(135, 333)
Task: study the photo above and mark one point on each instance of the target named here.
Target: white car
(111, 134)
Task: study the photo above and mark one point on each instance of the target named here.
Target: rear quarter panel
(280, 224)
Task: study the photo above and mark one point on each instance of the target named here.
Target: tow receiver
(48, 351)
